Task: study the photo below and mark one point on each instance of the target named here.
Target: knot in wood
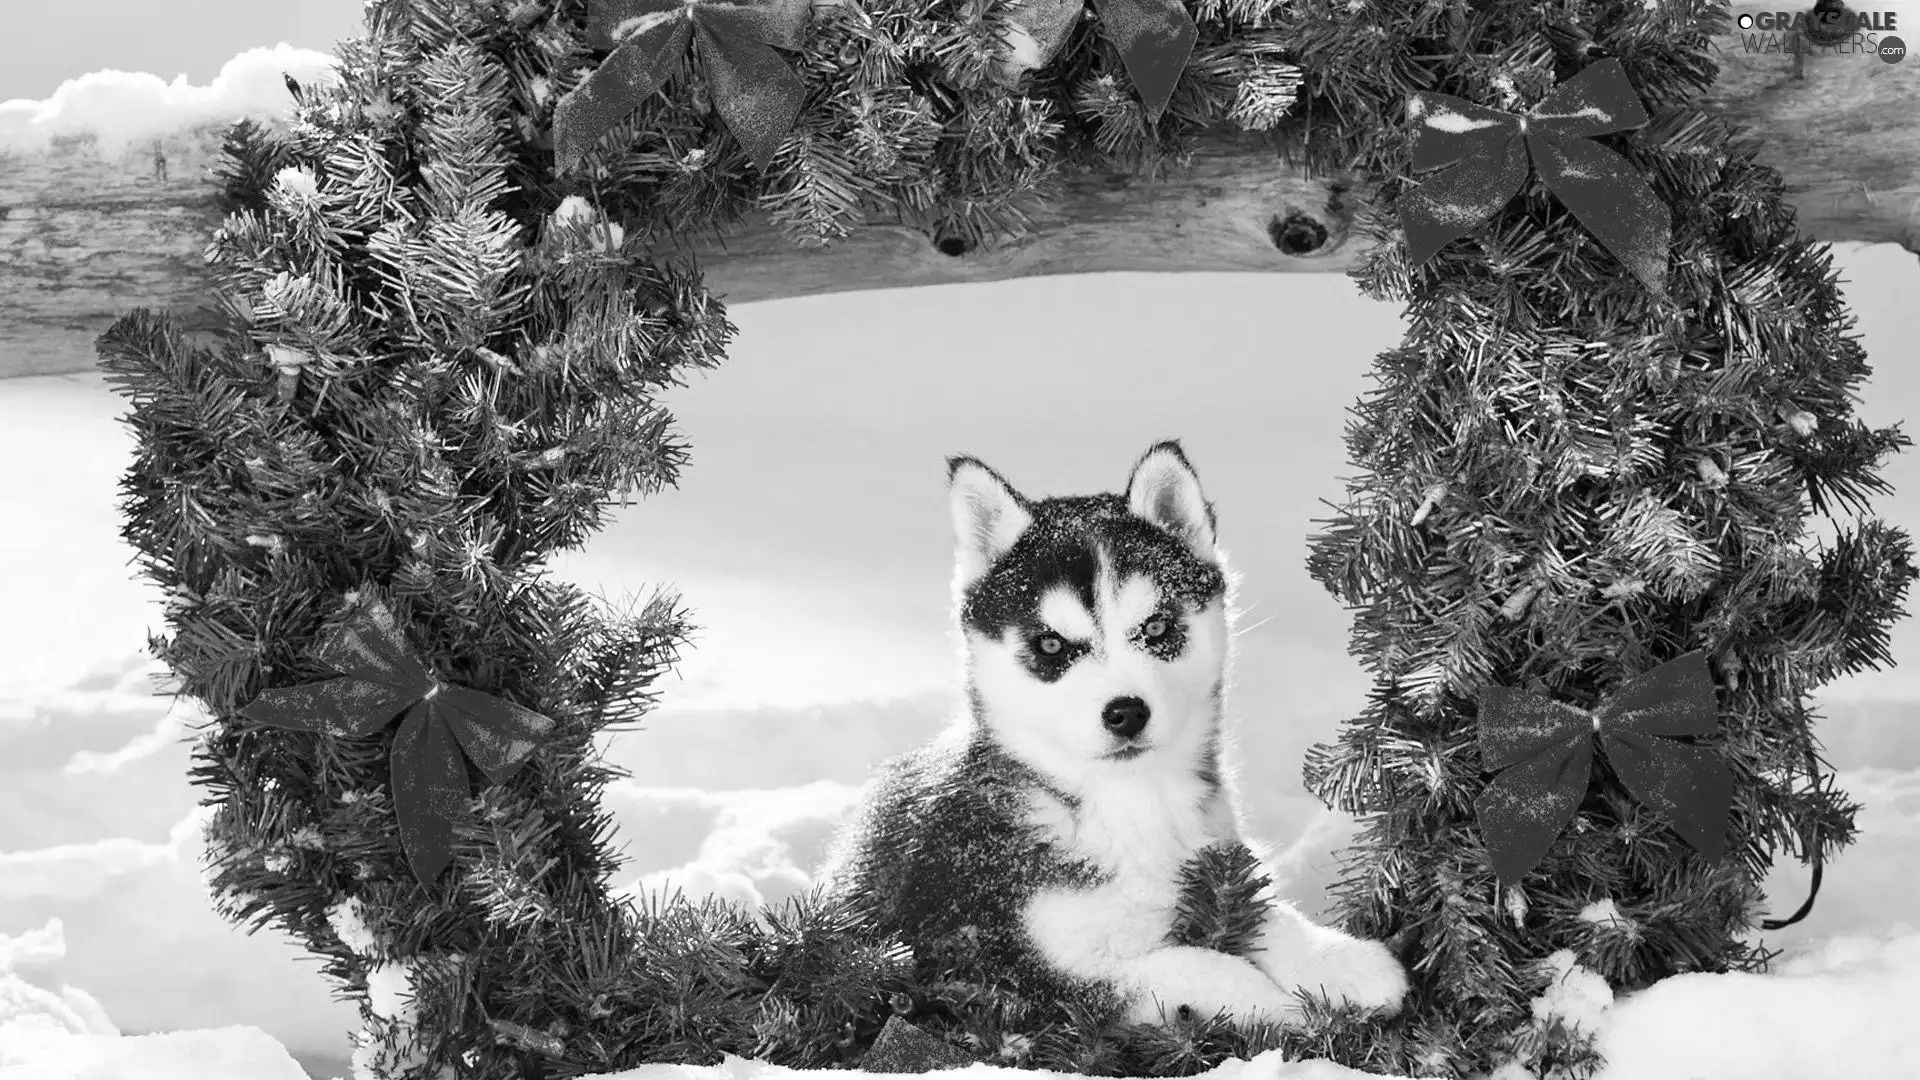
(1297, 234)
(951, 241)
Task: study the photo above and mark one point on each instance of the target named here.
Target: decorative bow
(757, 93)
(1154, 39)
(1545, 748)
(379, 678)
(1489, 150)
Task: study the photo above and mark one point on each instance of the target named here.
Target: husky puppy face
(1095, 626)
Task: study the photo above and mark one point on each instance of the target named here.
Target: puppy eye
(1049, 644)
(1155, 628)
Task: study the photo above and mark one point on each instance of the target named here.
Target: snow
(1576, 996)
(1840, 1015)
(65, 1034)
(1835, 1015)
(1602, 911)
(233, 1053)
(1446, 120)
(297, 182)
(390, 992)
(575, 209)
(348, 919)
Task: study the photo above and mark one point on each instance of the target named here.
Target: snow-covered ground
(1832, 1015)
(810, 537)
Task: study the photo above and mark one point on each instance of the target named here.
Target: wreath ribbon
(1543, 750)
(755, 90)
(441, 727)
(1484, 154)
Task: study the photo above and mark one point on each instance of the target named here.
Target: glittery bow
(380, 678)
(757, 93)
(1154, 39)
(1543, 751)
(1485, 152)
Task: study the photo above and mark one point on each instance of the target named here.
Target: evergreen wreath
(444, 335)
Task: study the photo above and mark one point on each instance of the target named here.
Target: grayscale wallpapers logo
(1836, 32)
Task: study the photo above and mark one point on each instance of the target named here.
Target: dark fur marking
(1209, 768)
(1168, 645)
(944, 858)
(1059, 549)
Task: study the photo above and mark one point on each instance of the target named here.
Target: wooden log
(87, 233)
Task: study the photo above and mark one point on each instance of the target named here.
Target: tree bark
(86, 234)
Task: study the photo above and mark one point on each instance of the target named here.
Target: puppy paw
(1208, 983)
(1355, 970)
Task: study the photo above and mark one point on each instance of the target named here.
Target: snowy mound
(235, 1053)
(1836, 1015)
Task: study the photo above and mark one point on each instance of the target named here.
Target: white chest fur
(1140, 829)
(1138, 826)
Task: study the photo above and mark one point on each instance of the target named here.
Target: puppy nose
(1125, 716)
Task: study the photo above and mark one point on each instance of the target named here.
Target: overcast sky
(44, 44)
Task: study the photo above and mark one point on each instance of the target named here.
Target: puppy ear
(1165, 490)
(988, 515)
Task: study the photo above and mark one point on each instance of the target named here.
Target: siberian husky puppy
(1046, 831)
